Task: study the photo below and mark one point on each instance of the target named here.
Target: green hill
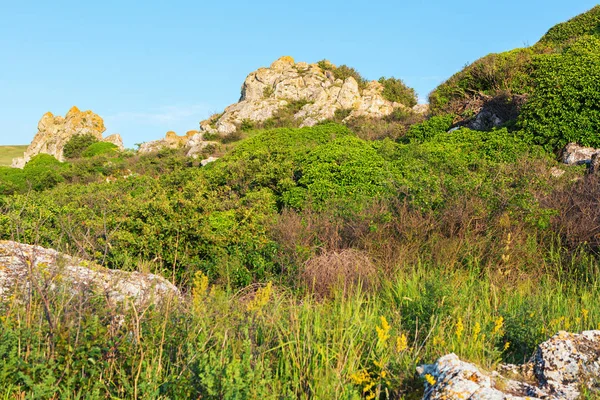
(7, 153)
(558, 76)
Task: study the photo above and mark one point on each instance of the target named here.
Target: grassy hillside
(321, 262)
(522, 73)
(7, 153)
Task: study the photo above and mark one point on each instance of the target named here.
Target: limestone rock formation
(559, 369)
(25, 267)
(55, 131)
(574, 154)
(268, 90)
(192, 141)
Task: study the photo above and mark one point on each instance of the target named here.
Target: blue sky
(152, 66)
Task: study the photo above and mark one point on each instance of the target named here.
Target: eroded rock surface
(574, 154)
(55, 131)
(560, 367)
(25, 267)
(268, 90)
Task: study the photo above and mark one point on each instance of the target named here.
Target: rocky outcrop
(55, 131)
(26, 268)
(495, 112)
(268, 90)
(559, 369)
(574, 154)
(193, 142)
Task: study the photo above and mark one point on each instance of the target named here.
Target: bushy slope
(552, 73)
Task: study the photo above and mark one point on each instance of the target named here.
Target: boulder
(268, 90)
(559, 369)
(25, 268)
(574, 154)
(193, 142)
(55, 131)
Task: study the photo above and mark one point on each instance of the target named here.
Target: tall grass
(268, 342)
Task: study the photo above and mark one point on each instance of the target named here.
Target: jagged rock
(574, 154)
(451, 378)
(115, 139)
(268, 90)
(496, 112)
(560, 367)
(566, 362)
(171, 141)
(421, 109)
(196, 145)
(192, 141)
(24, 268)
(55, 131)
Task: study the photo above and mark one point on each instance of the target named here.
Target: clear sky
(150, 66)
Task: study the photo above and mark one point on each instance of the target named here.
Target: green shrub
(562, 34)
(75, 147)
(429, 129)
(395, 90)
(565, 105)
(100, 148)
(494, 74)
(343, 72)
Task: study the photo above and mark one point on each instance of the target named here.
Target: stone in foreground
(560, 367)
(25, 268)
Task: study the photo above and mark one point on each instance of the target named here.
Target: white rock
(24, 267)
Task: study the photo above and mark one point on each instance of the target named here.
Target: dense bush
(396, 91)
(429, 129)
(42, 172)
(494, 74)
(75, 147)
(562, 34)
(99, 148)
(343, 72)
(565, 105)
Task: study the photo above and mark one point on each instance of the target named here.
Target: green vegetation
(99, 148)
(585, 24)
(78, 144)
(565, 105)
(495, 74)
(8, 153)
(322, 262)
(343, 72)
(396, 91)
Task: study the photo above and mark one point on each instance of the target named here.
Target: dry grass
(7, 153)
(342, 271)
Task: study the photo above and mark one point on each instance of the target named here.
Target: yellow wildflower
(261, 298)
(498, 324)
(459, 328)
(430, 379)
(383, 333)
(585, 313)
(401, 343)
(506, 346)
(476, 330)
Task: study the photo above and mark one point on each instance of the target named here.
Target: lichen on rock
(559, 369)
(25, 268)
(268, 90)
(54, 132)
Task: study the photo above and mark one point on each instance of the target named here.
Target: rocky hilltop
(55, 131)
(268, 90)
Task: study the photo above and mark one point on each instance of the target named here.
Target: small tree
(395, 90)
(78, 144)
